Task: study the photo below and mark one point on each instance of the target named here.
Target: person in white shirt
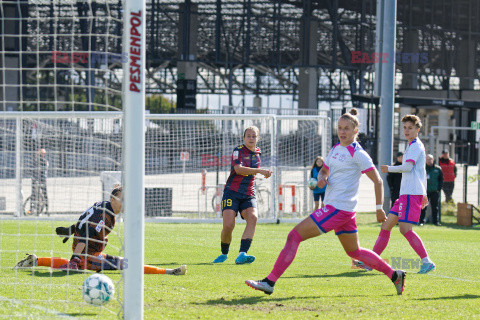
(413, 196)
(342, 170)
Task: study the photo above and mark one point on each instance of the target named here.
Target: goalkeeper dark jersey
(247, 158)
(93, 227)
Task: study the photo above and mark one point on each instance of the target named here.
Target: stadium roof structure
(255, 46)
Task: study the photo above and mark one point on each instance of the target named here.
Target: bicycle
(39, 206)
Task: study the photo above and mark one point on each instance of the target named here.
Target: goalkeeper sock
(245, 245)
(286, 256)
(52, 262)
(153, 270)
(225, 247)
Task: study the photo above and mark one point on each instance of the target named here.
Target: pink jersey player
(407, 209)
(345, 164)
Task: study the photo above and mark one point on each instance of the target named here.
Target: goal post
(60, 93)
(134, 20)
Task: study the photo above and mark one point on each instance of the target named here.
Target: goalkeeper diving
(90, 237)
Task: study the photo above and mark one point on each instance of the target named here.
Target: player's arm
(407, 166)
(246, 171)
(378, 185)
(322, 177)
(78, 250)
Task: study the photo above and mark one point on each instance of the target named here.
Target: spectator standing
(317, 192)
(449, 170)
(394, 180)
(434, 186)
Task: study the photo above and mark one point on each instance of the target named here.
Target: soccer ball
(312, 183)
(98, 289)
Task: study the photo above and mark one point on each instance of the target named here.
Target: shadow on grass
(463, 296)
(350, 274)
(248, 300)
(48, 273)
(79, 314)
(454, 225)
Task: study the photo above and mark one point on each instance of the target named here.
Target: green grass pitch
(319, 284)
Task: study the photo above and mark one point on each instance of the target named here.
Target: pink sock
(372, 260)
(416, 243)
(286, 256)
(382, 241)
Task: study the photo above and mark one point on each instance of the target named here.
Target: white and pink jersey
(414, 182)
(346, 165)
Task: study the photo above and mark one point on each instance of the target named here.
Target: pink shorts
(408, 208)
(328, 218)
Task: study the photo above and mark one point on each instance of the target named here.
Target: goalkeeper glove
(65, 232)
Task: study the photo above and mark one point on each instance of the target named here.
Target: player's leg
(417, 245)
(306, 229)
(250, 215)
(434, 201)
(230, 207)
(316, 200)
(102, 261)
(410, 218)
(395, 212)
(226, 235)
(352, 247)
(33, 261)
(383, 237)
(322, 196)
(147, 269)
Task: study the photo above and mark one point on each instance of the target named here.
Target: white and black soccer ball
(98, 289)
(312, 183)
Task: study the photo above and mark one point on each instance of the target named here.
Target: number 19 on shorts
(226, 203)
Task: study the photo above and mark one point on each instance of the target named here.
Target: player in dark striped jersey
(90, 237)
(239, 195)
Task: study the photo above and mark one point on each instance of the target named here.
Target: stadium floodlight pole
(134, 34)
(387, 90)
(378, 48)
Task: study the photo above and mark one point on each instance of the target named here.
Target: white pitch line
(453, 278)
(18, 302)
(446, 277)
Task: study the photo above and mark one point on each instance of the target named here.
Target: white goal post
(134, 45)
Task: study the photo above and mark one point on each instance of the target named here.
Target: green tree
(157, 103)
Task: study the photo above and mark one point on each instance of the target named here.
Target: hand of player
(381, 217)
(384, 168)
(266, 173)
(424, 202)
(322, 182)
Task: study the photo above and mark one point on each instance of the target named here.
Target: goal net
(56, 58)
(188, 161)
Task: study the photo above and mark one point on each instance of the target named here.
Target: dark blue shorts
(316, 196)
(237, 201)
